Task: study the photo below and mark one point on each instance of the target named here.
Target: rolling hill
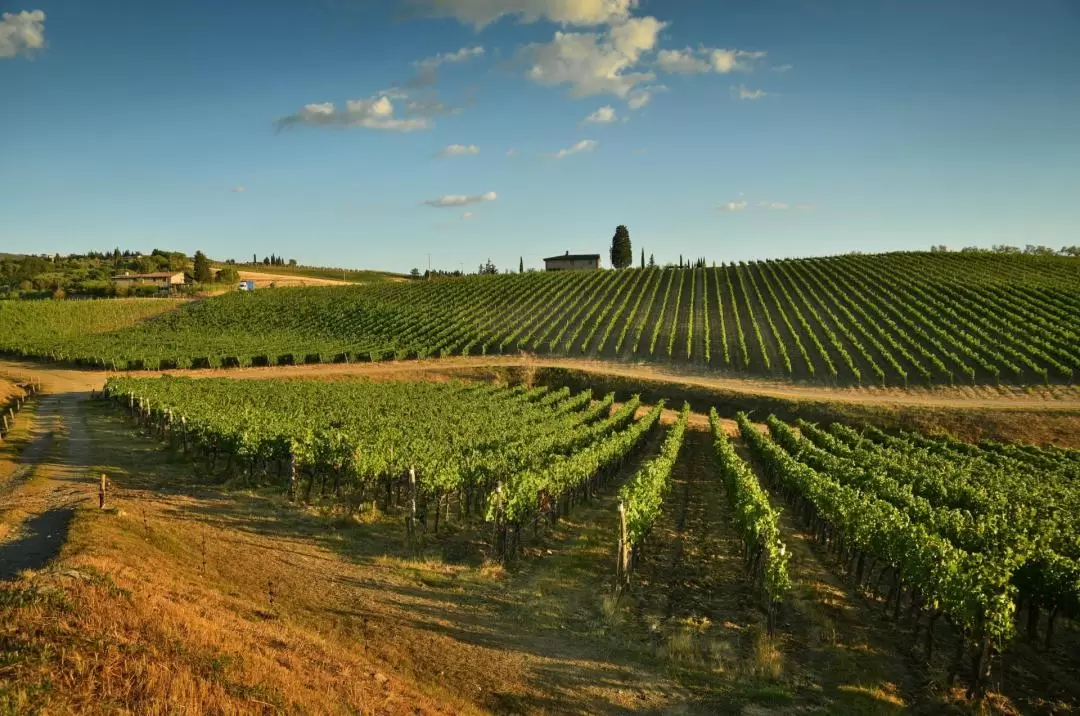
(890, 319)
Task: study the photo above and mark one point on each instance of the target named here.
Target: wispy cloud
(782, 68)
(691, 61)
(640, 97)
(21, 33)
(372, 113)
(451, 58)
(467, 216)
(512, 152)
(453, 200)
(742, 92)
(239, 189)
(585, 145)
(481, 13)
(604, 115)
(741, 204)
(457, 150)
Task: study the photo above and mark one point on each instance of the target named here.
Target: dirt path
(51, 478)
(262, 280)
(1054, 398)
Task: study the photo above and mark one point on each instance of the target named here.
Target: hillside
(283, 275)
(893, 319)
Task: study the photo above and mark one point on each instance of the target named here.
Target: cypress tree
(622, 254)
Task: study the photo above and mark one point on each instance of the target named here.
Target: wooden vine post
(101, 492)
(622, 567)
(292, 476)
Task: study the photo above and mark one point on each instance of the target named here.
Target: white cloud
(682, 62)
(480, 13)
(467, 216)
(372, 113)
(594, 63)
(239, 189)
(732, 205)
(689, 61)
(782, 68)
(21, 32)
(604, 115)
(457, 150)
(585, 145)
(724, 61)
(741, 92)
(640, 97)
(451, 58)
(774, 205)
(452, 200)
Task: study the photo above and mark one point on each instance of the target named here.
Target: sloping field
(895, 320)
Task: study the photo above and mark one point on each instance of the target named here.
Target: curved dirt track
(1054, 398)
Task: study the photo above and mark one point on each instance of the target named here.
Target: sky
(393, 134)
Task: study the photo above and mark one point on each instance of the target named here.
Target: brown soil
(263, 280)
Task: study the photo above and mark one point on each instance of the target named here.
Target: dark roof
(574, 257)
(160, 274)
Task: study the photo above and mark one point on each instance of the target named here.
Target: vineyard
(509, 457)
(938, 528)
(895, 319)
(972, 545)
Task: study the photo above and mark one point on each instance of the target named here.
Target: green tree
(643, 258)
(652, 261)
(415, 273)
(521, 264)
(227, 274)
(201, 268)
(621, 253)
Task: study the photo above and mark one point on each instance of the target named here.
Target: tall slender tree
(643, 258)
(622, 255)
(521, 264)
(201, 268)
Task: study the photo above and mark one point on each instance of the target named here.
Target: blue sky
(372, 133)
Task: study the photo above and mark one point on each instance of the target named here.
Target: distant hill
(324, 273)
(889, 319)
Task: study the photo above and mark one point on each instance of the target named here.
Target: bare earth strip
(262, 280)
(1055, 398)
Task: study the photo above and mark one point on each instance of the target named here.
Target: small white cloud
(682, 62)
(774, 205)
(372, 113)
(467, 216)
(783, 68)
(512, 152)
(451, 58)
(585, 145)
(741, 92)
(732, 206)
(690, 61)
(641, 96)
(481, 13)
(239, 189)
(21, 33)
(604, 115)
(457, 150)
(452, 200)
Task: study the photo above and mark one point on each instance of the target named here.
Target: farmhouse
(573, 262)
(164, 279)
